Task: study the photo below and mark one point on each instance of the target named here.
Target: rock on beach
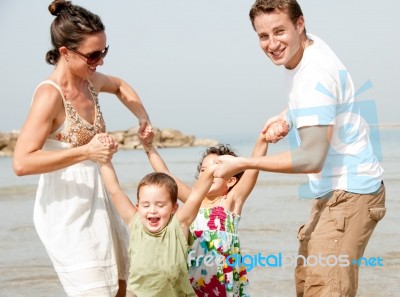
(127, 139)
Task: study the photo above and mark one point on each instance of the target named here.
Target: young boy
(158, 231)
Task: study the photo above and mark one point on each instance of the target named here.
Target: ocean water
(270, 219)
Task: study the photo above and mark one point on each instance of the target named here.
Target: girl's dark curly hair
(219, 150)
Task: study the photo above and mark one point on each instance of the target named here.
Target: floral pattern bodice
(215, 236)
(75, 130)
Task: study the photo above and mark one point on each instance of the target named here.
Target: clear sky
(196, 64)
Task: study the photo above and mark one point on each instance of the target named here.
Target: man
(333, 148)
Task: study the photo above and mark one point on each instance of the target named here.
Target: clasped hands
(276, 128)
(103, 146)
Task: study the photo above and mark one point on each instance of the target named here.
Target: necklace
(208, 201)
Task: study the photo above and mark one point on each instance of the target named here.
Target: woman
(63, 139)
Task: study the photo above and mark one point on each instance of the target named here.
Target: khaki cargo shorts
(333, 241)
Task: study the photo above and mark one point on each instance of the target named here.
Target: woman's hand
(146, 136)
(101, 148)
(108, 141)
(144, 127)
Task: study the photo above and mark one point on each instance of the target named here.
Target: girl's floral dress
(215, 236)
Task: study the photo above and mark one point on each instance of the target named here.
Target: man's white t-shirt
(322, 93)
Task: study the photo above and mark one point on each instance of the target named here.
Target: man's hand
(276, 131)
(228, 166)
(276, 127)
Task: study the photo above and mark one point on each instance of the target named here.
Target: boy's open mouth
(153, 221)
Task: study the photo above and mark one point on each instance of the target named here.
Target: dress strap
(92, 91)
(50, 82)
(90, 83)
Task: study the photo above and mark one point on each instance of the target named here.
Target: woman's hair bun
(57, 6)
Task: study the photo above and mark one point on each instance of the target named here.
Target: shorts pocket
(377, 213)
(340, 221)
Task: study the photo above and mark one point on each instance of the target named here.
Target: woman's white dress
(73, 215)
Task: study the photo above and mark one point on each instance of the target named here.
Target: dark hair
(161, 180)
(70, 27)
(267, 6)
(218, 150)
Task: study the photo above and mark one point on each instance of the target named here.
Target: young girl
(215, 229)
(158, 231)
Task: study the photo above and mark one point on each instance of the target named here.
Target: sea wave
(17, 191)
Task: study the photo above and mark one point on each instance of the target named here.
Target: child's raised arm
(158, 164)
(121, 201)
(188, 212)
(247, 182)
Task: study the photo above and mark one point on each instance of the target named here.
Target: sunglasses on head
(92, 58)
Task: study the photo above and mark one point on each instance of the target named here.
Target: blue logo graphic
(368, 262)
(355, 142)
(277, 260)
